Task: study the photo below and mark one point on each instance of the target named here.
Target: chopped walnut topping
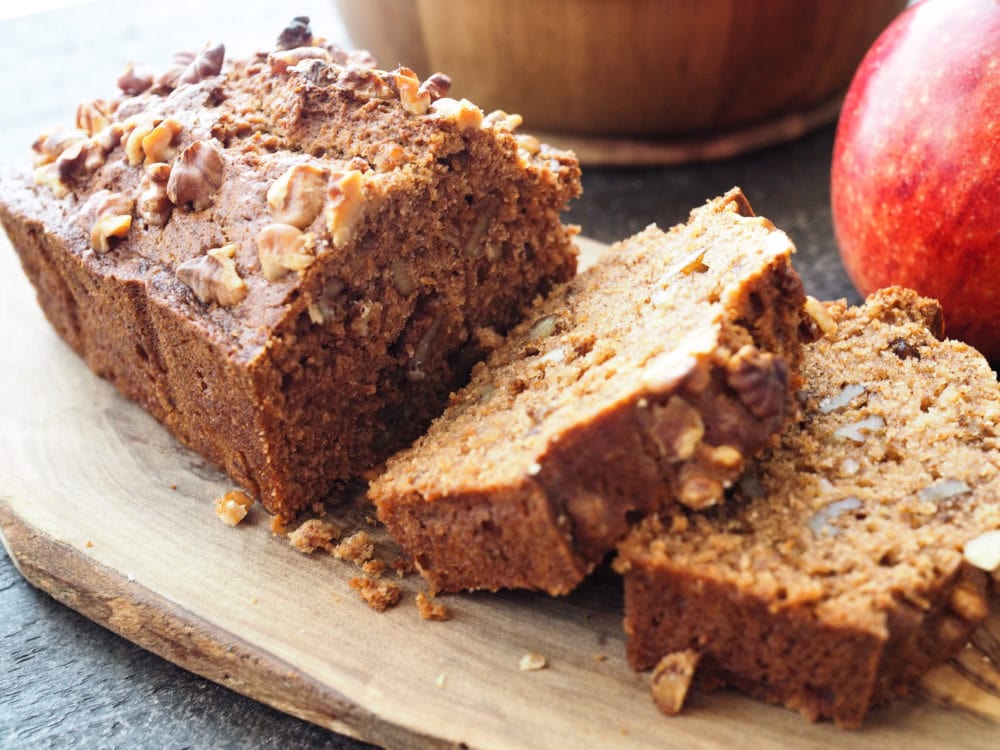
(380, 595)
(111, 214)
(532, 662)
(760, 379)
(178, 64)
(196, 175)
(94, 116)
(297, 33)
(206, 64)
(365, 82)
(314, 534)
(437, 86)
(346, 205)
(109, 138)
(430, 609)
(463, 112)
(153, 205)
(48, 175)
(156, 144)
(983, 552)
(81, 159)
(815, 310)
(358, 548)
(136, 128)
(213, 277)
(297, 196)
(233, 507)
(283, 248)
(529, 144)
(280, 62)
(500, 120)
(672, 679)
(50, 146)
(133, 81)
(415, 100)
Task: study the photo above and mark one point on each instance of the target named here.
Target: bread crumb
(402, 566)
(278, 527)
(313, 535)
(90, 543)
(319, 509)
(173, 486)
(672, 679)
(439, 680)
(374, 568)
(600, 657)
(358, 548)
(233, 507)
(380, 595)
(432, 610)
(532, 662)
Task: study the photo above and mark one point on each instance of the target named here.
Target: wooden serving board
(103, 510)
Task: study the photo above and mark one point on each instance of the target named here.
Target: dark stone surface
(65, 681)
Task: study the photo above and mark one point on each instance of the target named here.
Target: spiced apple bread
(851, 562)
(289, 260)
(647, 380)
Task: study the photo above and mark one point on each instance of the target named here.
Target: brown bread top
(289, 259)
(647, 379)
(840, 575)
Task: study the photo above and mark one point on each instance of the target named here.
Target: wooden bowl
(628, 67)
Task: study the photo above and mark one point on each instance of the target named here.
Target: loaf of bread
(854, 557)
(289, 260)
(648, 379)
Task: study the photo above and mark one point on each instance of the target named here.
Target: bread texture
(647, 380)
(289, 260)
(843, 569)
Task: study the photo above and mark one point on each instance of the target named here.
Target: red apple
(916, 165)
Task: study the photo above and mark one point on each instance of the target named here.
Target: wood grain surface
(103, 510)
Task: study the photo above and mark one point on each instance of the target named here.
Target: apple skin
(915, 182)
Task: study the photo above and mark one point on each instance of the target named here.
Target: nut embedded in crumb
(313, 535)
(672, 679)
(532, 662)
(358, 548)
(233, 507)
(430, 609)
(380, 595)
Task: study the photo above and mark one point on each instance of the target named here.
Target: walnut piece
(205, 64)
(283, 248)
(153, 205)
(94, 116)
(213, 277)
(281, 62)
(437, 86)
(500, 120)
(297, 196)
(233, 507)
(111, 216)
(178, 65)
(463, 112)
(49, 146)
(133, 81)
(81, 159)
(48, 175)
(415, 100)
(156, 144)
(672, 679)
(983, 552)
(135, 129)
(346, 205)
(676, 428)
(297, 33)
(760, 379)
(195, 175)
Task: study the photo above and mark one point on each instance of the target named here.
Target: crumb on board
(532, 662)
(379, 595)
(314, 534)
(430, 609)
(402, 566)
(440, 680)
(278, 526)
(233, 507)
(374, 568)
(600, 657)
(90, 543)
(358, 548)
(671, 680)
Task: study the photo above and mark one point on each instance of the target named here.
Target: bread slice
(290, 259)
(646, 380)
(840, 577)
